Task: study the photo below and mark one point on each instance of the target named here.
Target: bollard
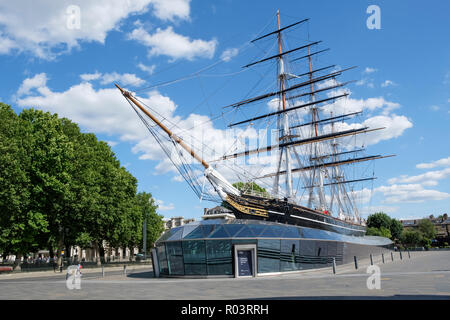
(103, 271)
(409, 256)
(382, 257)
(356, 263)
(125, 269)
(371, 260)
(401, 258)
(334, 265)
(392, 257)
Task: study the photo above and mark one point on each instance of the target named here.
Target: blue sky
(48, 61)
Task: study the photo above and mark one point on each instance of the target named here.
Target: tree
(426, 227)
(20, 222)
(52, 160)
(378, 220)
(60, 187)
(155, 224)
(382, 220)
(248, 186)
(411, 238)
(381, 232)
(396, 229)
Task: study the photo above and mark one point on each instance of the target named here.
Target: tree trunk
(58, 254)
(97, 251)
(16, 265)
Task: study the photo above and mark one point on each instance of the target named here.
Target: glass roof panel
(233, 229)
(197, 233)
(245, 232)
(220, 232)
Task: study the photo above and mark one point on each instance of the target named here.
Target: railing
(258, 194)
(48, 266)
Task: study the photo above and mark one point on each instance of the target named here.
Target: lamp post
(145, 237)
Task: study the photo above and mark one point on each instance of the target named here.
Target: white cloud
(104, 111)
(163, 207)
(170, 9)
(388, 83)
(412, 193)
(228, 54)
(147, 69)
(112, 143)
(429, 178)
(167, 42)
(365, 211)
(125, 79)
(90, 76)
(365, 81)
(370, 70)
(348, 104)
(49, 28)
(444, 162)
(39, 80)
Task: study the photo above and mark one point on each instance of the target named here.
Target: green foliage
(155, 223)
(60, 187)
(384, 226)
(426, 227)
(396, 229)
(378, 220)
(248, 186)
(381, 232)
(20, 223)
(411, 238)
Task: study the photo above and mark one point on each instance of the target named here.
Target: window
(289, 252)
(163, 267)
(219, 257)
(194, 257)
(175, 258)
(268, 256)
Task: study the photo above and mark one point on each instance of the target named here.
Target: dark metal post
(371, 260)
(382, 257)
(334, 265)
(392, 256)
(356, 263)
(145, 238)
(401, 258)
(103, 271)
(409, 256)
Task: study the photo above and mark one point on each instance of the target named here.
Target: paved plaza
(426, 275)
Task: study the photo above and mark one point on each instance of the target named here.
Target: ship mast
(285, 131)
(220, 184)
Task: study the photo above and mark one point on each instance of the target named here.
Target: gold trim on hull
(248, 210)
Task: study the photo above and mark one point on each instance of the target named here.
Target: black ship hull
(274, 210)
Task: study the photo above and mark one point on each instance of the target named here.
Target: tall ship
(307, 182)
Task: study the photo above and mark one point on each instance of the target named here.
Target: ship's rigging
(310, 151)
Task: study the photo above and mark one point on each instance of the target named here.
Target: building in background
(218, 212)
(441, 225)
(176, 222)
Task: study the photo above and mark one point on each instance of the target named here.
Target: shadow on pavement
(141, 275)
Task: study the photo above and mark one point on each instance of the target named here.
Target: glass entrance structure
(206, 248)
